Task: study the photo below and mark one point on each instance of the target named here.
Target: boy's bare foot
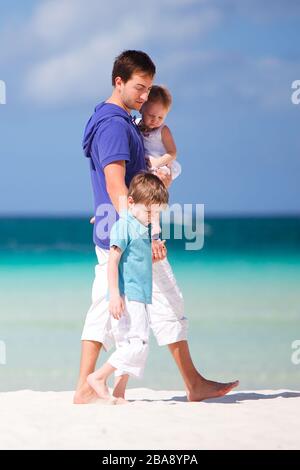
(111, 401)
(120, 386)
(98, 383)
(205, 389)
(84, 395)
(121, 401)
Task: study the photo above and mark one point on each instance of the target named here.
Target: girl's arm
(116, 303)
(170, 146)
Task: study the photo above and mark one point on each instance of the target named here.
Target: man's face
(134, 93)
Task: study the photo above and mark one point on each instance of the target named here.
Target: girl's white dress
(155, 148)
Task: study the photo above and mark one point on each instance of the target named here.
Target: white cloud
(76, 74)
(53, 21)
(232, 77)
(264, 11)
(69, 43)
(68, 46)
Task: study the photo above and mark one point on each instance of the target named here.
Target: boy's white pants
(166, 313)
(131, 335)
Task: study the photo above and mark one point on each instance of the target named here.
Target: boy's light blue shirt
(135, 266)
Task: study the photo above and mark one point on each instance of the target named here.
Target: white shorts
(131, 336)
(166, 313)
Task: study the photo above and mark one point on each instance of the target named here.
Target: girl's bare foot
(98, 383)
(205, 389)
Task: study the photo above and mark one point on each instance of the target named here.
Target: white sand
(263, 419)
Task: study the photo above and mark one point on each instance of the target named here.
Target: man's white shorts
(166, 313)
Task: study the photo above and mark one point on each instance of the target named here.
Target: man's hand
(92, 220)
(159, 250)
(116, 306)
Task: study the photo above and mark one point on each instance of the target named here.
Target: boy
(130, 284)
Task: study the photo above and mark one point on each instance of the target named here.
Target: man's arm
(115, 184)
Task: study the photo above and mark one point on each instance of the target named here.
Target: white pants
(166, 313)
(131, 335)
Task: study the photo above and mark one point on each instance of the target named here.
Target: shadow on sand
(234, 398)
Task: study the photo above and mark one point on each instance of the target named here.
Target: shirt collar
(141, 228)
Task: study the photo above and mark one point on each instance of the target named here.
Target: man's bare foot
(84, 395)
(98, 383)
(205, 389)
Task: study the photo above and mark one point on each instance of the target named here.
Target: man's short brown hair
(130, 62)
(146, 188)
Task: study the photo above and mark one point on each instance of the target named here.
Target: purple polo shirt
(110, 135)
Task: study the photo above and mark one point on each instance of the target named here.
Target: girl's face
(153, 114)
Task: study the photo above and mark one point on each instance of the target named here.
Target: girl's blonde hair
(160, 94)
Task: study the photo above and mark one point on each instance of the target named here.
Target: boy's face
(144, 213)
(134, 93)
(153, 114)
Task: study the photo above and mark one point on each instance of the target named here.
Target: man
(114, 146)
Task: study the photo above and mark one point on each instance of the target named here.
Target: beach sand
(262, 419)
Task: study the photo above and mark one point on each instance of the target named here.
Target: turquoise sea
(241, 291)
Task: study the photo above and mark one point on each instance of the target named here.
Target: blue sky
(228, 63)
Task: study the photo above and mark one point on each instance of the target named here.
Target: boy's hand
(159, 250)
(116, 306)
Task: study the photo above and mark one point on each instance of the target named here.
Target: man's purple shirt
(110, 135)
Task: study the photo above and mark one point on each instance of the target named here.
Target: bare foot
(84, 395)
(98, 383)
(120, 386)
(209, 389)
(121, 401)
(107, 401)
(110, 401)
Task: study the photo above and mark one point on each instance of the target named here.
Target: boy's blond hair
(146, 188)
